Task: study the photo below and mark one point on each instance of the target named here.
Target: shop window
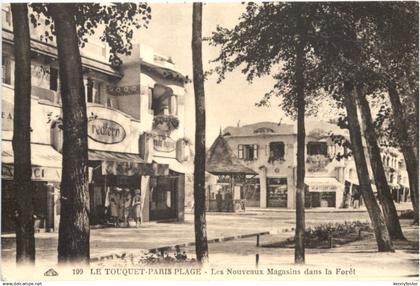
(6, 70)
(276, 151)
(317, 148)
(248, 152)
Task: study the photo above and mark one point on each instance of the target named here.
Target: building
(269, 149)
(135, 129)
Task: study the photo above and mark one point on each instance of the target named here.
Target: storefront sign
(7, 116)
(322, 188)
(164, 144)
(105, 131)
(38, 173)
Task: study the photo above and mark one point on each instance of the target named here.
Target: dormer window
(263, 130)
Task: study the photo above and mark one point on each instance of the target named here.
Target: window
(317, 148)
(149, 95)
(89, 90)
(6, 70)
(53, 79)
(97, 94)
(276, 151)
(248, 152)
(92, 89)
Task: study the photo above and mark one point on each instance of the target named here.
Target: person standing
(114, 204)
(137, 207)
(356, 197)
(127, 201)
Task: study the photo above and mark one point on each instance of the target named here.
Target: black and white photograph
(208, 141)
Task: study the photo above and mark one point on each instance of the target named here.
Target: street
(106, 241)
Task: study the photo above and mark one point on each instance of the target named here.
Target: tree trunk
(300, 178)
(381, 232)
(25, 240)
(201, 247)
(385, 197)
(410, 156)
(73, 240)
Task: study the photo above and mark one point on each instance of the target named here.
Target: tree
(201, 247)
(396, 53)
(73, 24)
(300, 178)
(24, 215)
(74, 229)
(384, 194)
(274, 37)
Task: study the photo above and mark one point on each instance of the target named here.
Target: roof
(222, 160)
(51, 51)
(271, 128)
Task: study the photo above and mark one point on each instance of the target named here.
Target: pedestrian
(137, 207)
(356, 196)
(127, 199)
(114, 204)
(219, 201)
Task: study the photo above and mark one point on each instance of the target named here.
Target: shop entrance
(277, 192)
(163, 199)
(98, 189)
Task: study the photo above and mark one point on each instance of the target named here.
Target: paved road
(153, 235)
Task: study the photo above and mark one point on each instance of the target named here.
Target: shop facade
(269, 149)
(130, 146)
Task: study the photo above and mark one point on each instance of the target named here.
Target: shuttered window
(248, 152)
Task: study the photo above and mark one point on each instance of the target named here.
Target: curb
(172, 247)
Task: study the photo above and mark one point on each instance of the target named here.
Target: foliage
(264, 43)
(406, 214)
(324, 231)
(171, 122)
(117, 19)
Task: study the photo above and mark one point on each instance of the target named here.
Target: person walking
(137, 207)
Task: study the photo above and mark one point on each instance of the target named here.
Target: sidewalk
(399, 206)
(107, 241)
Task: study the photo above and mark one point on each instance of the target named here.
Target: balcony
(165, 123)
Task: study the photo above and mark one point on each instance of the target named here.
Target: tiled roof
(222, 160)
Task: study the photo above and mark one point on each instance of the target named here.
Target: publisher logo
(51, 272)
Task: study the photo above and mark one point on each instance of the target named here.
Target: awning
(46, 162)
(124, 164)
(98, 155)
(320, 184)
(173, 163)
(41, 155)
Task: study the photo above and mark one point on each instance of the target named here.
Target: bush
(407, 214)
(323, 231)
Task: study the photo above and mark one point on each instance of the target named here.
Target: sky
(227, 103)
